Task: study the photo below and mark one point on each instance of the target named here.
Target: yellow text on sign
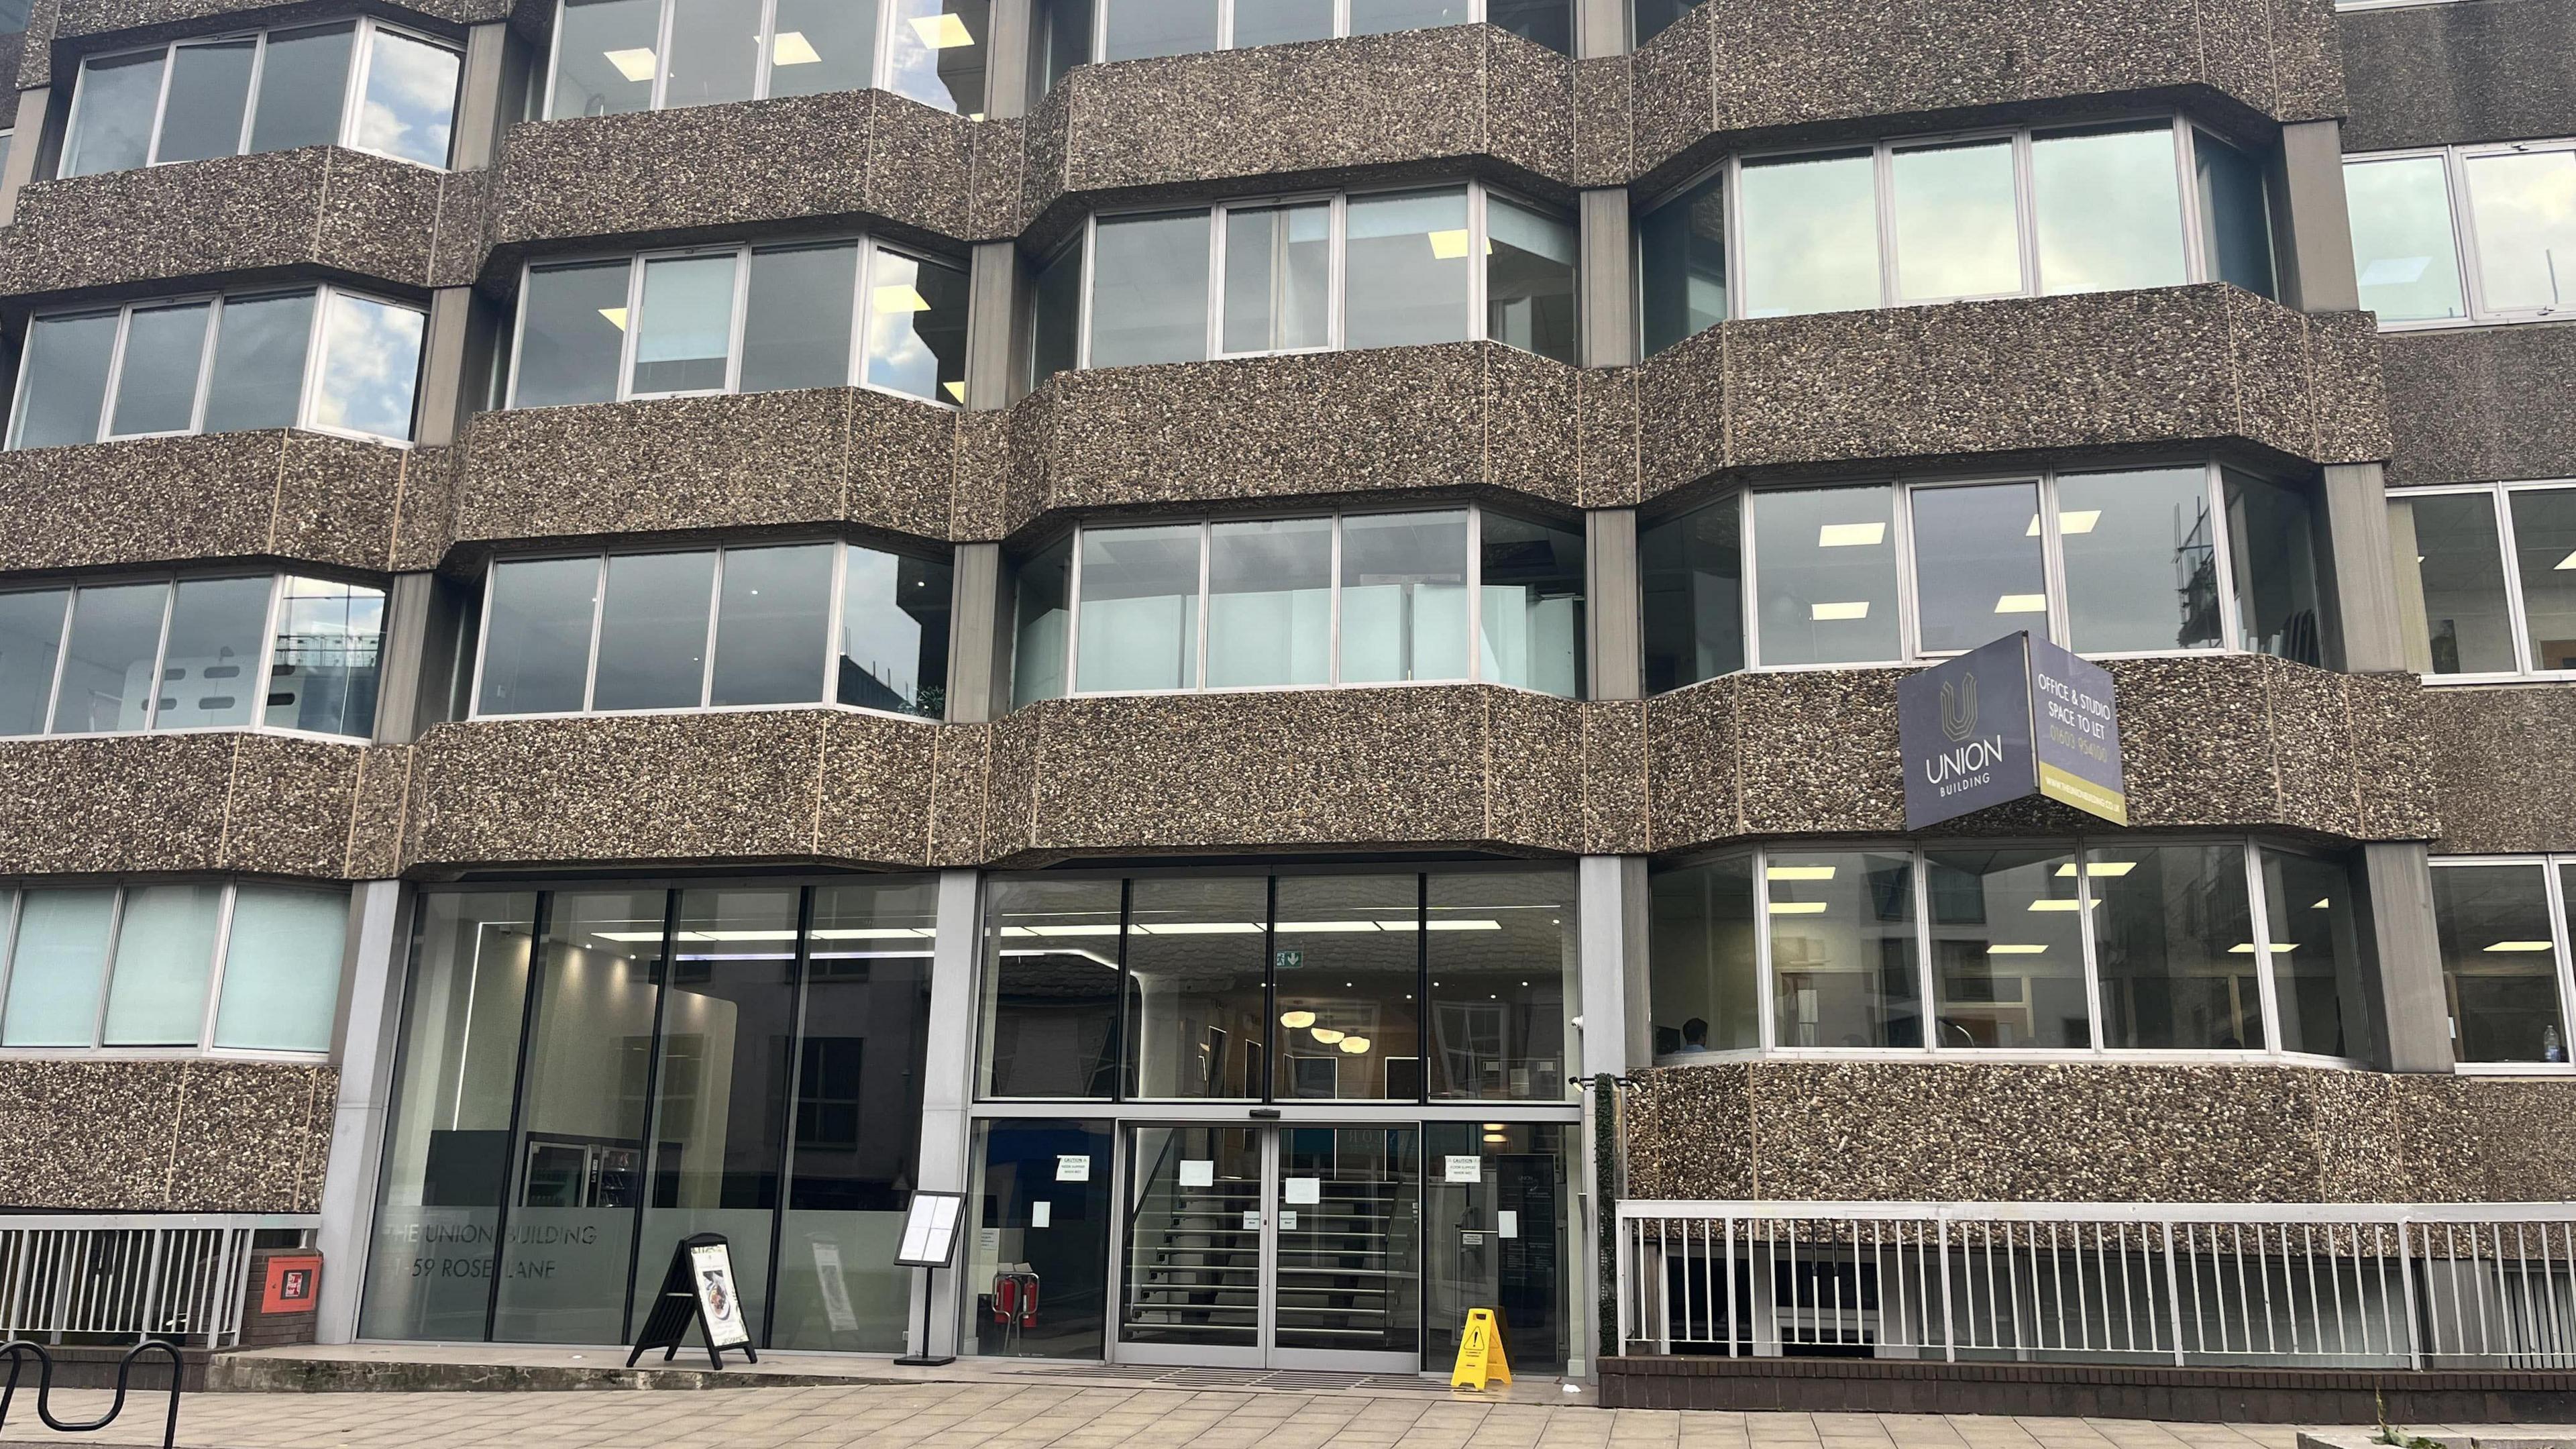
(1480, 1353)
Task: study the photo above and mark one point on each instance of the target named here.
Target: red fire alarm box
(293, 1283)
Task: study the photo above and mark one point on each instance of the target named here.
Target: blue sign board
(2005, 721)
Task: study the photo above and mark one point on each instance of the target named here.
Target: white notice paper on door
(1507, 1224)
(1073, 1167)
(1042, 1215)
(1465, 1169)
(1306, 1191)
(1197, 1174)
(1252, 1222)
(1287, 1219)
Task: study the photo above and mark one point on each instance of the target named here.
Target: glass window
(2108, 209)
(1141, 29)
(1270, 603)
(1691, 570)
(64, 385)
(2451, 590)
(201, 114)
(1979, 573)
(282, 958)
(2402, 243)
(1198, 955)
(893, 653)
(1383, 17)
(1650, 18)
(1505, 978)
(1140, 609)
(2317, 977)
(652, 651)
(1050, 988)
(796, 316)
(1278, 277)
(1514, 1239)
(112, 110)
(1280, 22)
(370, 363)
(258, 376)
(938, 53)
(572, 331)
(2544, 543)
(606, 57)
(156, 379)
(2271, 537)
(1404, 597)
(1067, 38)
(1529, 280)
(410, 105)
(1810, 234)
(1529, 615)
(1843, 949)
(537, 619)
(2235, 221)
(822, 45)
(303, 77)
(322, 674)
(1681, 265)
(1540, 22)
(917, 327)
(165, 955)
(2141, 561)
(708, 63)
(263, 92)
(1056, 323)
(1018, 1170)
(1826, 575)
(1042, 615)
(1955, 219)
(31, 641)
(2008, 949)
(2499, 962)
(1405, 274)
(1703, 965)
(773, 621)
(210, 666)
(684, 338)
(107, 666)
(1149, 289)
(1348, 961)
(2522, 210)
(58, 968)
(2175, 938)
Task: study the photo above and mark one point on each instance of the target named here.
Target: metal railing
(2475, 1285)
(79, 1278)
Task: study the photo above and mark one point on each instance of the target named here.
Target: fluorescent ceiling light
(1797, 908)
(2246, 948)
(870, 933)
(2521, 946)
(901, 298)
(787, 935)
(1448, 926)
(2055, 905)
(628, 936)
(956, 390)
(1099, 930)
(1858, 609)
(1800, 872)
(2099, 868)
(941, 32)
(1327, 928)
(2016, 950)
(1449, 246)
(2568, 562)
(635, 64)
(793, 49)
(1850, 535)
(1496, 1137)
(2321, 905)
(2069, 520)
(1296, 1020)
(616, 317)
(2021, 604)
(1201, 928)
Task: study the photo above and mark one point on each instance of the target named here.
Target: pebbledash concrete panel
(196, 801)
(2175, 366)
(316, 208)
(2223, 741)
(2434, 75)
(1971, 1131)
(299, 496)
(72, 19)
(2473, 404)
(1858, 67)
(2494, 766)
(164, 1136)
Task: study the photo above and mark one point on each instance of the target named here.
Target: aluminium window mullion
(265, 662)
(317, 333)
(160, 105)
(1882, 178)
(629, 344)
(362, 70)
(2464, 234)
(2195, 258)
(1341, 19)
(598, 612)
(554, 67)
(2222, 557)
(1927, 999)
(1479, 244)
(482, 641)
(1073, 615)
(1765, 1002)
(519, 337)
(2090, 940)
(738, 327)
(2516, 612)
(250, 97)
(765, 40)
(1900, 525)
(1082, 312)
(837, 619)
(1337, 245)
(2026, 210)
(1212, 324)
(107, 965)
(715, 614)
(662, 54)
(2258, 910)
(115, 376)
(881, 69)
(1333, 607)
(2052, 562)
(160, 655)
(62, 655)
(9, 950)
(215, 969)
(205, 365)
(1475, 575)
(862, 291)
(1207, 548)
(1224, 25)
(1742, 502)
(2554, 894)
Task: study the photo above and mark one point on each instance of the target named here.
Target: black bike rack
(17, 1350)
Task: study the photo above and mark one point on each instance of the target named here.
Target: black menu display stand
(697, 1290)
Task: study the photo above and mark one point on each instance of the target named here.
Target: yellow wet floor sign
(1480, 1353)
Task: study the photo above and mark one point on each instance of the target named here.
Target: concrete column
(2362, 568)
(948, 1087)
(447, 397)
(1611, 904)
(1613, 620)
(2312, 232)
(1600, 28)
(1608, 307)
(979, 639)
(370, 1027)
(1010, 45)
(490, 94)
(26, 145)
(2415, 1016)
(996, 327)
(417, 671)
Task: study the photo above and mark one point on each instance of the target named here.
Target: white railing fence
(78, 1278)
(2462, 1286)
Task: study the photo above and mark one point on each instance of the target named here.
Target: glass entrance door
(1292, 1246)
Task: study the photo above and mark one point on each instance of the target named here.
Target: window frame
(308, 389)
(14, 912)
(1205, 522)
(1479, 246)
(2463, 218)
(2517, 609)
(1729, 171)
(362, 61)
(880, 62)
(2250, 849)
(855, 371)
(1476, 15)
(2555, 896)
(278, 579)
(825, 666)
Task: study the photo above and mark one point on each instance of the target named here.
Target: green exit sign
(1291, 960)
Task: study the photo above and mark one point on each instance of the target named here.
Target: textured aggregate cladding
(98, 17)
(306, 496)
(2180, 364)
(382, 794)
(1897, 1131)
(13, 49)
(317, 206)
(425, 523)
(1816, 751)
(1744, 65)
(877, 793)
(1535, 787)
(1287, 115)
(651, 173)
(293, 805)
(1692, 766)
(736, 461)
(2432, 76)
(2492, 793)
(2460, 402)
(1604, 124)
(163, 1136)
(1614, 777)
(176, 802)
